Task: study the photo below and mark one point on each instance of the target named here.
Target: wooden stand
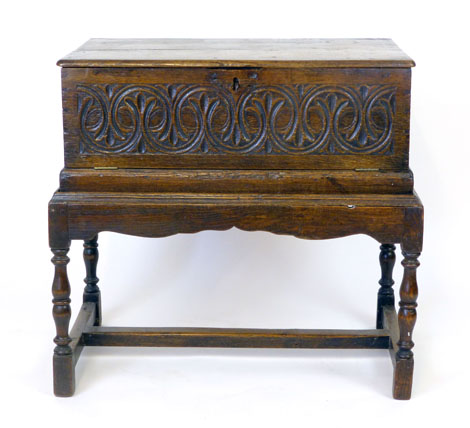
(389, 219)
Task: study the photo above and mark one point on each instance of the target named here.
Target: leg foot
(64, 375)
(403, 379)
(92, 292)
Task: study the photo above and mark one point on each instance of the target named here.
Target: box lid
(285, 53)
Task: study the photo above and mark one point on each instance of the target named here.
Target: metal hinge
(105, 167)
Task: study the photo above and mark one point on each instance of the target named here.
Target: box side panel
(236, 118)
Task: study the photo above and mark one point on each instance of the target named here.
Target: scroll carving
(211, 119)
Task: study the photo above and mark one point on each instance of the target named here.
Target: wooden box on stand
(307, 137)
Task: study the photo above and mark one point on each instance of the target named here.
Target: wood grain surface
(237, 53)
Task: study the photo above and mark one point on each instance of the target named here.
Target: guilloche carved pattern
(211, 119)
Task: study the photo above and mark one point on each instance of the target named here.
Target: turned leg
(385, 295)
(403, 375)
(64, 373)
(92, 292)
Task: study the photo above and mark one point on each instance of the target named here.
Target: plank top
(268, 53)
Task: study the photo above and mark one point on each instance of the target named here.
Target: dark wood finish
(193, 118)
(92, 292)
(308, 138)
(239, 338)
(236, 181)
(58, 225)
(390, 325)
(316, 216)
(406, 322)
(224, 115)
(402, 376)
(402, 368)
(61, 301)
(386, 296)
(407, 312)
(85, 320)
(64, 376)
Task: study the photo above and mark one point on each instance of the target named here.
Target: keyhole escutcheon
(236, 84)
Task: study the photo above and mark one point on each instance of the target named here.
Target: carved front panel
(206, 119)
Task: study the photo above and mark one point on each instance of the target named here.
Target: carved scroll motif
(279, 119)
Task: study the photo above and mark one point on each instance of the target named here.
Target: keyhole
(236, 84)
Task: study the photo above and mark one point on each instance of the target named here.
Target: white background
(233, 279)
